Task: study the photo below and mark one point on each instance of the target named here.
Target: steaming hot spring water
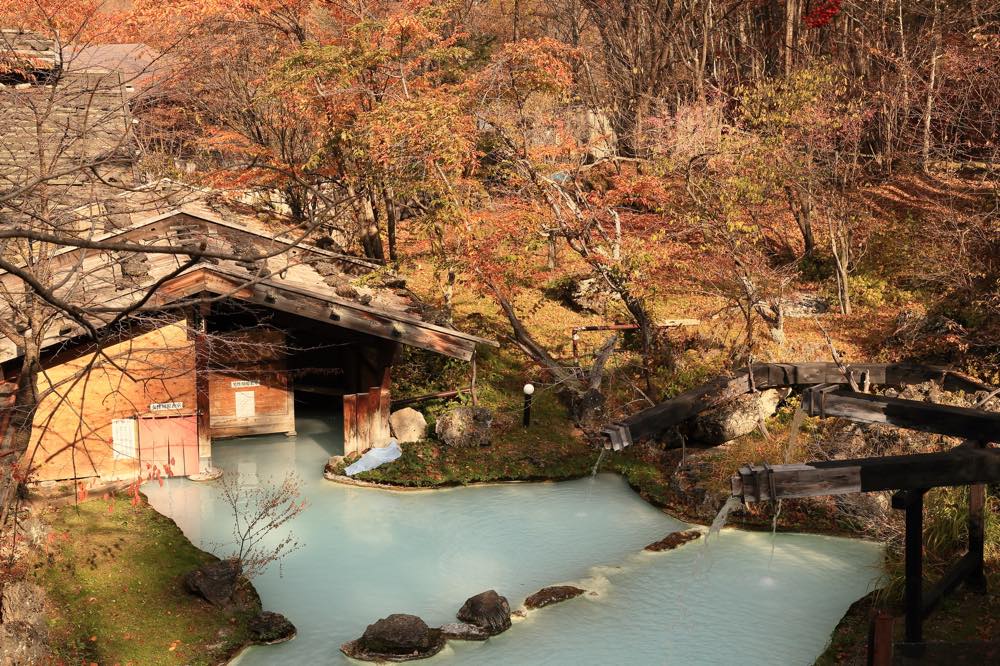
(368, 553)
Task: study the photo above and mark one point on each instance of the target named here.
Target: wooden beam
(957, 467)
(654, 421)
(962, 422)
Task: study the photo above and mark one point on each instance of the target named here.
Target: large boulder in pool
(216, 582)
(487, 610)
(408, 425)
(552, 595)
(399, 637)
(269, 628)
(466, 427)
(740, 416)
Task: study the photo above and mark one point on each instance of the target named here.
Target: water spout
(774, 535)
(597, 464)
(722, 517)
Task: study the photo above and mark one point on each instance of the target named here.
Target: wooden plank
(350, 424)
(957, 574)
(962, 422)
(378, 325)
(755, 483)
(364, 421)
(375, 429)
(384, 409)
(655, 420)
(957, 467)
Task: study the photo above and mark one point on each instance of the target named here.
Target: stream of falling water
(597, 464)
(720, 518)
(793, 435)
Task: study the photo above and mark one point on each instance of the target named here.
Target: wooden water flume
(971, 463)
(825, 393)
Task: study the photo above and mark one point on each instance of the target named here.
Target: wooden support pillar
(912, 501)
(976, 578)
(199, 321)
(350, 424)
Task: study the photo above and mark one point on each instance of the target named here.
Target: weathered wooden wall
(254, 357)
(72, 437)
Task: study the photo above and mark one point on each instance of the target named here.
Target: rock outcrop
(488, 611)
(408, 425)
(740, 416)
(673, 540)
(465, 427)
(552, 595)
(269, 628)
(216, 582)
(399, 637)
(23, 631)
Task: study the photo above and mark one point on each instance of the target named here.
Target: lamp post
(528, 391)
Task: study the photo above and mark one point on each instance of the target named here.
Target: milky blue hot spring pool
(368, 553)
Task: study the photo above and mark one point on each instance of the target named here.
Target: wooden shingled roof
(27, 52)
(299, 278)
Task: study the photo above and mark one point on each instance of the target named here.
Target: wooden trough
(972, 463)
(654, 421)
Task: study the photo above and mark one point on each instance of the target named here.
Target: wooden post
(912, 501)
(363, 417)
(374, 416)
(382, 415)
(977, 533)
(880, 640)
(203, 404)
(350, 424)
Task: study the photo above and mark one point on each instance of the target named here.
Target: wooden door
(170, 444)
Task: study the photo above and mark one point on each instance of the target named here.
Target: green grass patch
(550, 448)
(113, 577)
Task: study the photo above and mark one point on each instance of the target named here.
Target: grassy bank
(113, 578)
(549, 449)
(965, 616)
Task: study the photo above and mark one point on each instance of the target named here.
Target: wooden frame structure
(911, 476)
(244, 263)
(654, 421)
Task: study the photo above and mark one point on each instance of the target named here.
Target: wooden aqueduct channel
(973, 462)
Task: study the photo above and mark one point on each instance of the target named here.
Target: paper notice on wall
(246, 405)
(123, 438)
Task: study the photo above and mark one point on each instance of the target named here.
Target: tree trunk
(840, 242)
(800, 204)
(17, 437)
(391, 218)
(371, 239)
(931, 80)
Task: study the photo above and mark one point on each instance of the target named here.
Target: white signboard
(123, 438)
(244, 383)
(162, 406)
(246, 405)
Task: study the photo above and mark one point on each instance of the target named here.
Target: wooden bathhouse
(220, 349)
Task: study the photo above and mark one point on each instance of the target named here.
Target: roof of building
(137, 64)
(27, 52)
(253, 264)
